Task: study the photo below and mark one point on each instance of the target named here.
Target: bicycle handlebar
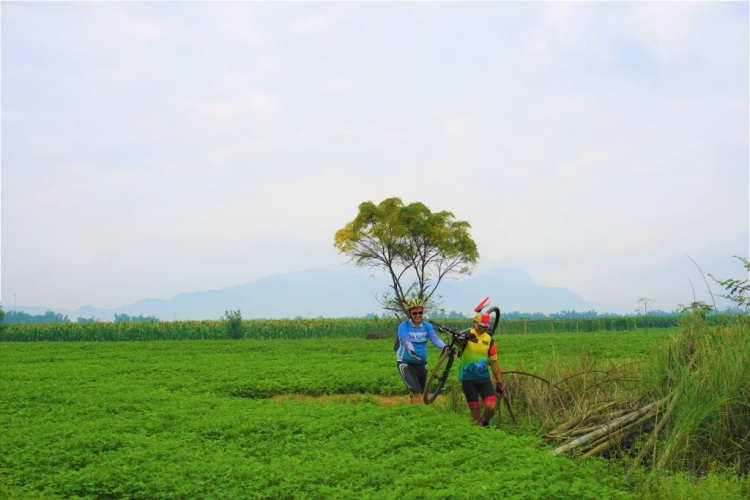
(442, 328)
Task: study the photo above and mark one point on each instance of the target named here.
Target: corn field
(192, 330)
(297, 328)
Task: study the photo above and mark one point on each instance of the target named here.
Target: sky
(156, 148)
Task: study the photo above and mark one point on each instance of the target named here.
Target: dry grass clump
(573, 390)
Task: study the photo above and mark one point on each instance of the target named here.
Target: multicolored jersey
(480, 350)
(416, 336)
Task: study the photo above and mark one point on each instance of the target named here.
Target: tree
(698, 307)
(92, 319)
(233, 322)
(124, 318)
(646, 302)
(417, 248)
(738, 291)
(47, 317)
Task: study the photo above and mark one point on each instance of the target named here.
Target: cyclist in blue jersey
(411, 355)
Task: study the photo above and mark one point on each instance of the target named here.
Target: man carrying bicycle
(411, 354)
(479, 356)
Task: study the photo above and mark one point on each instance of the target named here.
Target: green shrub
(233, 321)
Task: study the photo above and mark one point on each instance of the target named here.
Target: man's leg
(487, 391)
(420, 372)
(413, 376)
(472, 399)
(489, 409)
(474, 408)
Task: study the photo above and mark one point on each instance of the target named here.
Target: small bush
(233, 321)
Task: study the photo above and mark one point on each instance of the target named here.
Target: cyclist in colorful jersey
(478, 358)
(411, 354)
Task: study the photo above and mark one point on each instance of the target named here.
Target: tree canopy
(22, 317)
(416, 247)
(124, 318)
(738, 291)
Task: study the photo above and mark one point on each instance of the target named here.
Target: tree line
(53, 317)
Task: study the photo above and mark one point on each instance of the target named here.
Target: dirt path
(345, 398)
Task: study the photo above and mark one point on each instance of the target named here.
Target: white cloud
(670, 29)
(592, 144)
(317, 23)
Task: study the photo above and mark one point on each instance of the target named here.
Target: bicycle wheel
(510, 410)
(496, 310)
(438, 376)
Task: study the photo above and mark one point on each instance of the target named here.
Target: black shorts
(475, 388)
(414, 376)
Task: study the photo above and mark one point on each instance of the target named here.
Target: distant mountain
(338, 293)
(511, 289)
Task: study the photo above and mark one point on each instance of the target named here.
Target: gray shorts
(414, 376)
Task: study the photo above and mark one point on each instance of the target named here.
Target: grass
(203, 419)
(192, 420)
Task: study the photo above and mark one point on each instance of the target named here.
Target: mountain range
(338, 293)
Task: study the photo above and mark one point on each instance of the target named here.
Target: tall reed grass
(694, 392)
(705, 373)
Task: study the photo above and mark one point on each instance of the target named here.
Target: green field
(291, 418)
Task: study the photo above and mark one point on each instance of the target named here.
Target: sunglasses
(417, 313)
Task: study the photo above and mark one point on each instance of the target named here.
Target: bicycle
(439, 373)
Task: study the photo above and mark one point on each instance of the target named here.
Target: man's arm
(436, 341)
(495, 365)
(497, 371)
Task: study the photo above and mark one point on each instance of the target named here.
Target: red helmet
(483, 319)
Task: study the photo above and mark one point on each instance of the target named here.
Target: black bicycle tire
(431, 393)
(494, 309)
(508, 407)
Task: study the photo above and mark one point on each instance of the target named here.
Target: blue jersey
(417, 336)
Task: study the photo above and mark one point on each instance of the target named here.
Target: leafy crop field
(302, 418)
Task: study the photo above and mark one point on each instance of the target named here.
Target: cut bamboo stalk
(607, 443)
(664, 458)
(618, 436)
(567, 429)
(615, 414)
(608, 427)
(585, 430)
(657, 429)
(574, 432)
(567, 425)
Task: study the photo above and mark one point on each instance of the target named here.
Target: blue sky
(154, 148)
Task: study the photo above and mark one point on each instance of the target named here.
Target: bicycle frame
(439, 373)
